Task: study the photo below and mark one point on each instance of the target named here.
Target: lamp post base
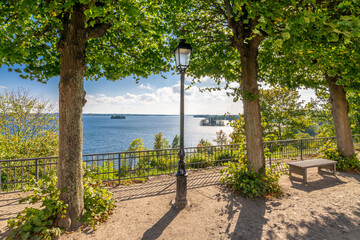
(181, 191)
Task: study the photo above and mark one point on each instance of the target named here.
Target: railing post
(37, 169)
(301, 148)
(0, 178)
(270, 155)
(119, 170)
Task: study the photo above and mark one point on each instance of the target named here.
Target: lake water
(102, 134)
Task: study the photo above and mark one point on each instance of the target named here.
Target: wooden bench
(301, 167)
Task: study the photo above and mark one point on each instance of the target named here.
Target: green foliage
(136, 145)
(104, 171)
(283, 114)
(164, 163)
(226, 154)
(98, 204)
(133, 33)
(354, 111)
(245, 181)
(198, 160)
(28, 128)
(160, 142)
(34, 223)
(221, 138)
(238, 134)
(204, 143)
(176, 142)
(346, 164)
(302, 135)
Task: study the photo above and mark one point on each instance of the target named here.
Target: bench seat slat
(312, 163)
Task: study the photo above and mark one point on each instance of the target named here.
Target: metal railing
(128, 166)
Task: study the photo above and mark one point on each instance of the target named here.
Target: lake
(103, 135)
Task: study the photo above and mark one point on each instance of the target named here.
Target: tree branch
(98, 30)
(42, 32)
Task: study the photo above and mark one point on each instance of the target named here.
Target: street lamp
(182, 55)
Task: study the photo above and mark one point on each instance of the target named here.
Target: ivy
(33, 223)
(41, 223)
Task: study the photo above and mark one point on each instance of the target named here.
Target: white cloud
(3, 87)
(147, 86)
(164, 100)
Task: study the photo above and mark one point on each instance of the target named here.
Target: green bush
(33, 223)
(248, 183)
(222, 155)
(98, 203)
(198, 160)
(346, 164)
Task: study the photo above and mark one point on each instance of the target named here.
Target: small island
(117, 117)
(211, 121)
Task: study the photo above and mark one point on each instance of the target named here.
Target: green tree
(283, 114)
(320, 112)
(316, 55)
(160, 142)
(354, 103)
(176, 142)
(221, 138)
(227, 35)
(74, 39)
(204, 143)
(28, 126)
(136, 145)
(238, 134)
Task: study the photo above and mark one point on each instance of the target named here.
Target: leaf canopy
(135, 42)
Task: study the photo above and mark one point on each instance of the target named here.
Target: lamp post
(182, 55)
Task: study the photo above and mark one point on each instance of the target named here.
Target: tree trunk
(72, 47)
(252, 117)
(339, 112)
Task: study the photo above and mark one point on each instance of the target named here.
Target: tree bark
(72, 47)
(252, 116)
(340, 114)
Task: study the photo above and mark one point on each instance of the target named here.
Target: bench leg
(300, 171)
(330, 167)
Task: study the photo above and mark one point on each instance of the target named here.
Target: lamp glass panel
(177, 57)
(184, 57)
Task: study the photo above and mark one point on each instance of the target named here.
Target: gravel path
(328, 207)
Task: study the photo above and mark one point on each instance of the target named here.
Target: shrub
(165, 163)
(245, 181)
(222, 155)
(344, 163)
(198, 160)
(98, 203)
(33, 223)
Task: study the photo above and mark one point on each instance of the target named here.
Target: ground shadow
(328, 180)
(164, 186)
(155, 231)
(251, 220)
(3, 235)
(330, 225)
(356, 176)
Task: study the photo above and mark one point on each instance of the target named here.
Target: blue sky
(154, 95)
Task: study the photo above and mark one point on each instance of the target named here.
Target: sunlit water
(102, 134)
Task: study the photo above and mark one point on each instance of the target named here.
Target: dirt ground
(328, 207)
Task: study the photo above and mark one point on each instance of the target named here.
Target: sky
(154, 95)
